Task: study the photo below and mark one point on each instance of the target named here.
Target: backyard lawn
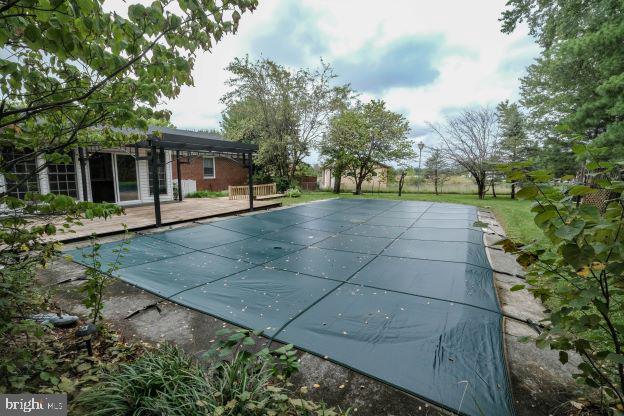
(514, 215)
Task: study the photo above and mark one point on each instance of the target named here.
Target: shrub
(26, 243)
(281, 183)
(207, 194)
(167, 381)
(580, 275)
(294, 192)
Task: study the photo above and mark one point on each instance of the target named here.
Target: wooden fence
(242, 192)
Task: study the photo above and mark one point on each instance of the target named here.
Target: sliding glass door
(127, 182)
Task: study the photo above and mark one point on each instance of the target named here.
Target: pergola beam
(155, 182)
(179, 173)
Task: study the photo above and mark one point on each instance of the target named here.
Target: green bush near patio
(207, 194)
(228, 380)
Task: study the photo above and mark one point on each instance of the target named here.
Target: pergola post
(179, 175)
(251, 185)
(155, 182)
(83, 173)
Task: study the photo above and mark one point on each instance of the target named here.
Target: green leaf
(579, 149)
(581, 190)
(223, 331)
(517, 287)
(569, 232)
(237, 336)
(544, 216)
(528, 192)
(563, 357)
(32, 33)
(616, 358)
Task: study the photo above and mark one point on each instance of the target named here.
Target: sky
(426, 59)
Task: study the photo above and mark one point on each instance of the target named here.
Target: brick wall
(227, 172)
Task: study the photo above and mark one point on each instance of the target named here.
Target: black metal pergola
(187, 144)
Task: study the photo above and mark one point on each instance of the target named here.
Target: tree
(334, 146)
(514, 144)
(402, 174)
(578, 273)
(366, 136)
(469, 139)
(285, 112)
(437, 168)
(576, 84)
(68, 66)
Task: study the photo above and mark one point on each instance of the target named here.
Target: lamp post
(421, 145)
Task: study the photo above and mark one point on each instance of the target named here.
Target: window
(23, 178)
(162, 184)
(62, 178)
(209, 167)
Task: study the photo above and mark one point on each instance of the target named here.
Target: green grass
(514, 215)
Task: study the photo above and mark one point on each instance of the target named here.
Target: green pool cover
(400, 291)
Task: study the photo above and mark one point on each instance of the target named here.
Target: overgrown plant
(232, 381)
(27, 230)
(579, 276)
(98, 277)
(293, 192)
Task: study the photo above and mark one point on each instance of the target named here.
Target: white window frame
(214, 167)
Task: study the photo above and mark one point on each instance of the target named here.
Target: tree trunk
(337, 180)
(358, 186)
(435, 185)
(513, 190)
(291, 173)
(401, 181)
(337, 185)
(493, 189)
(481, 188)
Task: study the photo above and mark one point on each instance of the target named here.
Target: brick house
(212, 173)
(125, 175)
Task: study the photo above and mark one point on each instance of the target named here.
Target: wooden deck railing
(242, 192)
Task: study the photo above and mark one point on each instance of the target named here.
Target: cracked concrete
(540, 384)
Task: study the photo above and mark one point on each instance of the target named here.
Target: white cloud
(476, 64)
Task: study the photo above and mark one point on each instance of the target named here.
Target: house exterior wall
(142, 178)
(227, 172)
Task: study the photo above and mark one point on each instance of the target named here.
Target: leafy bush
(580, 275)
(207, 194)
(26, 243)
(294, 192)
(167, 381)
(281, 183)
